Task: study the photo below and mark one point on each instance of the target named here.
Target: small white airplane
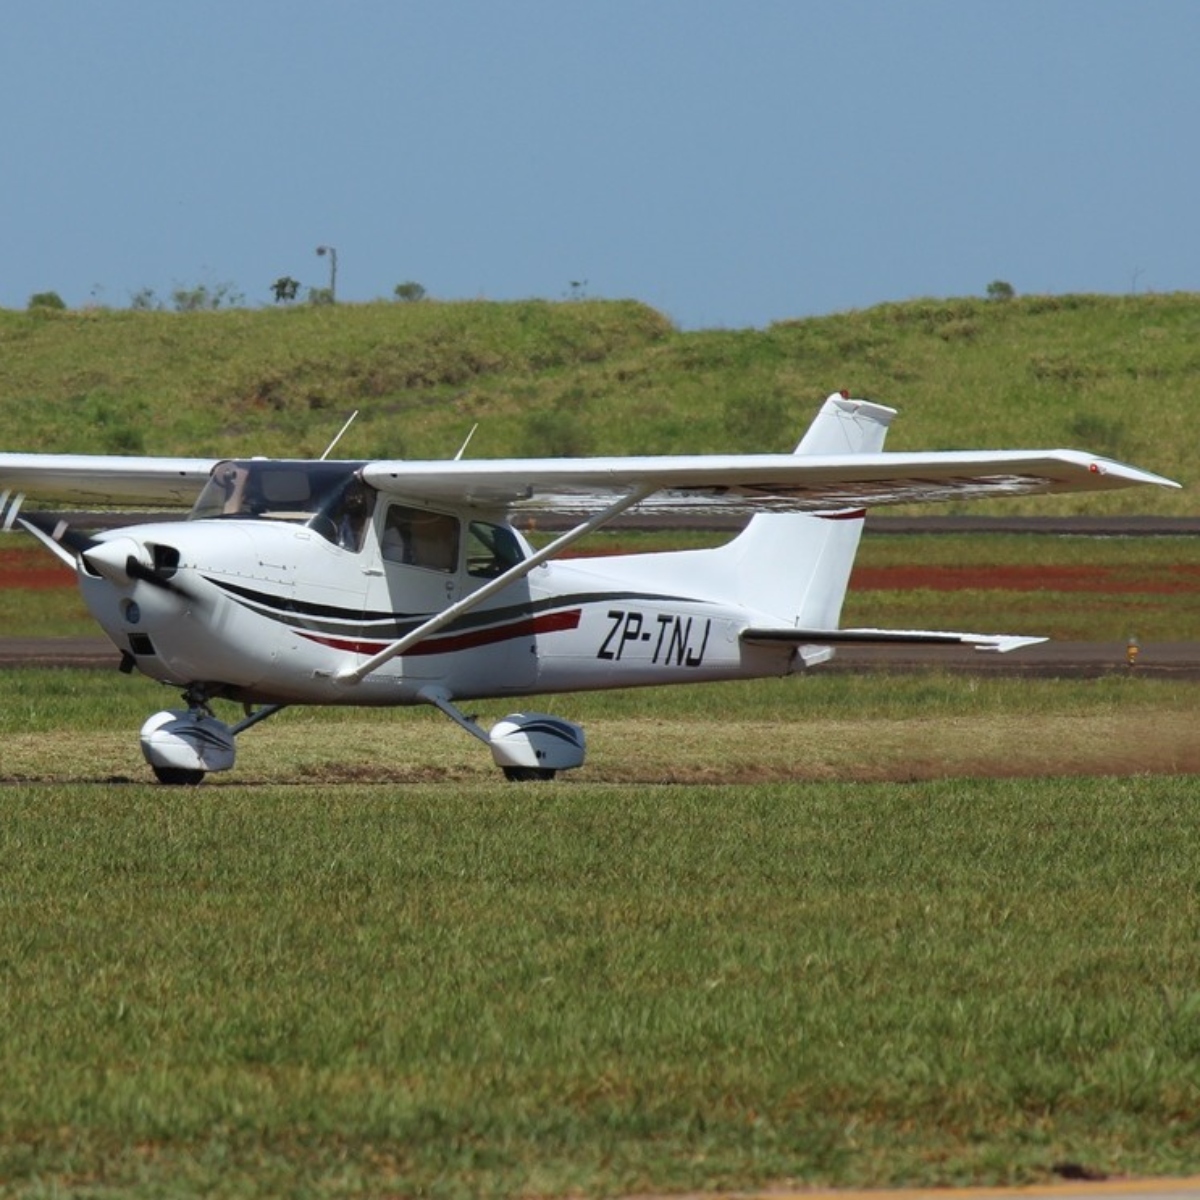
(394, 582)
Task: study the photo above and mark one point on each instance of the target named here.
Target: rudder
(796, 566)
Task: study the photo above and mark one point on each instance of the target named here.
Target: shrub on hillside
(50, 300)
(410, 292)
(202, 298)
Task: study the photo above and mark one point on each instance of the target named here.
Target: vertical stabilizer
(795, 567)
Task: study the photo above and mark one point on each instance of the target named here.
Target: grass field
(838, 930)
(360, 966)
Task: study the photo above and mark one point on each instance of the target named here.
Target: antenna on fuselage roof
(466, 442)
(349, 422)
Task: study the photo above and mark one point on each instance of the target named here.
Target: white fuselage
(268, 611)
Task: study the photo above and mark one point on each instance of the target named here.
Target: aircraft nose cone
(111, 558)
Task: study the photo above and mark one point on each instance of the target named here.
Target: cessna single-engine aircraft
(327, 582)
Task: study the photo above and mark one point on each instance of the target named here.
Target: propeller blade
(136, 569)
(8, 512)
(122, 559)
(56, 529)
(67, 544)
(63, 534)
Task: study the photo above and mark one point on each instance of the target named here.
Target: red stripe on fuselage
(553, 622)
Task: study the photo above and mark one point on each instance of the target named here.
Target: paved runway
(1068, 660)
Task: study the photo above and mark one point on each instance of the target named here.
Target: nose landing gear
(183, 745)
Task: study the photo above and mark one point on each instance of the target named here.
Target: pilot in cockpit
(232, 481)
(351, 517)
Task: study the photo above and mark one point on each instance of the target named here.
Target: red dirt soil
(31, 569)
(1161, 580)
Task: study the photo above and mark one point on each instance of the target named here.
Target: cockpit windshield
(274, 489)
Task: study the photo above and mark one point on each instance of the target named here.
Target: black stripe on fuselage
(349, 622)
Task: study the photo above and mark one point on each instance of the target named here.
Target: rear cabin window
(420, 539)
(491, 550)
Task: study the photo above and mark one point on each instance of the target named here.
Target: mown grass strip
(489, 990)
(821, 726)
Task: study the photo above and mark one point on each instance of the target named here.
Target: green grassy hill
(1115, 375)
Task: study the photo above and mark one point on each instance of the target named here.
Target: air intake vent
(166, 560)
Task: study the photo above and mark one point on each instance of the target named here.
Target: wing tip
(1122, 473)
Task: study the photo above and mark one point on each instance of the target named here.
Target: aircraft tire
(528, 774)
(177, 776)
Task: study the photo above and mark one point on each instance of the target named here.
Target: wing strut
(454, 611)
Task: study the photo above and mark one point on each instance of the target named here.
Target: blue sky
(730, 163)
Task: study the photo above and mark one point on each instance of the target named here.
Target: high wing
(104, 479)
(726, 483)
(733, 483)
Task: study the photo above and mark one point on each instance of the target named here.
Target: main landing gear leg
(525, 746)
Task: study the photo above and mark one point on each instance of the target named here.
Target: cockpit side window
(419, 538)
(344, 520)
(223, 494)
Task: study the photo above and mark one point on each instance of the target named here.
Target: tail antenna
(349, 422)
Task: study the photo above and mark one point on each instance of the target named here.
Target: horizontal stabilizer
(998, 643)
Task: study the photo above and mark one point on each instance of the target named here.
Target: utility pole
(323, 250)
